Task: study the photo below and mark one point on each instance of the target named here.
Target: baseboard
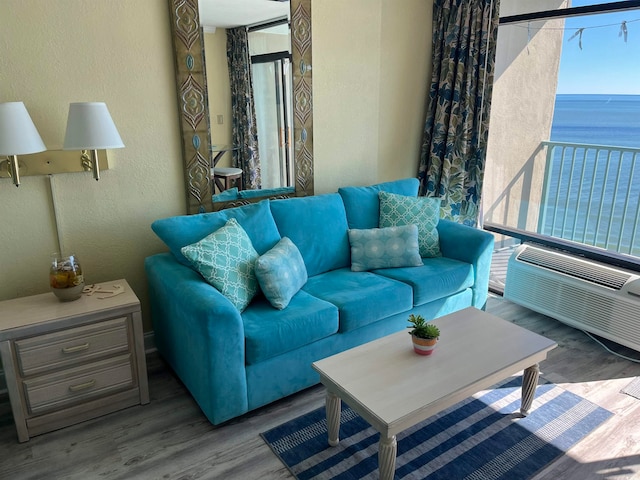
(149, 347)
(149, 343)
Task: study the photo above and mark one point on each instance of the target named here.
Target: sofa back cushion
(363, 205)
(318, 227)
(255, 219)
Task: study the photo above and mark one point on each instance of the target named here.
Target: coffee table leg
(387, 457)
(332, 403)
(529, 384)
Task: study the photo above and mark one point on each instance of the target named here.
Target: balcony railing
(591, 195)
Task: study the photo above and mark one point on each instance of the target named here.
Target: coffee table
(393, 388)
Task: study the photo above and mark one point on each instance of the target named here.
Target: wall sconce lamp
(18, 136)
(90, 130)
(90, 127)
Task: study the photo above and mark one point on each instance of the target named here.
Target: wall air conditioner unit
(584, 294)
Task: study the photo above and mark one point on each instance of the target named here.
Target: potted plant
(423, 334)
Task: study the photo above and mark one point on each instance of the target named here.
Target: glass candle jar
(65, 277)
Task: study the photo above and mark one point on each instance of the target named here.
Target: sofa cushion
(384, 248)
(421, 211)
(361, 297)
(269, 332)
(266, 192)
(363, 205)
(226, 195)
(226, 259)
(255, 219)
(318, 227)
(281, 273)
(438, 278)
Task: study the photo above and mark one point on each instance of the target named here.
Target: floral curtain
(454, 144)
(243, 111)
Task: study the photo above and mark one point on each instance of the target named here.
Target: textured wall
(371, 69)
(369, 57)
(219, 91)
(522, 106)
(119, 52)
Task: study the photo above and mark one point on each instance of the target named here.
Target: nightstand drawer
(68, 347)
(58, 390)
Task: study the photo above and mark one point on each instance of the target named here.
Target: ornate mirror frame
(191, 84)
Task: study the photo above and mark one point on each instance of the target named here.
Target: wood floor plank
(171, 439)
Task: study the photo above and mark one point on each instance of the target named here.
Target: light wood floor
(171, 439)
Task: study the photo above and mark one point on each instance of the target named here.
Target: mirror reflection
(247, 47)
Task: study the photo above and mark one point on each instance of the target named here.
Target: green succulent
(421, 328)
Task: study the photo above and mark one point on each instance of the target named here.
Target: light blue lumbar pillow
(389, 247)
(226, 259)
(281, 273)
(421, 211)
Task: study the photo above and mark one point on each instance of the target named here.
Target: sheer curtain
(454, 143)
(245, 134)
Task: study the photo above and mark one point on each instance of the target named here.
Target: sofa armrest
(200, 334)
(473, 246)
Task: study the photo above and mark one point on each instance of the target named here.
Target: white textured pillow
(389, 247)
(281, 273)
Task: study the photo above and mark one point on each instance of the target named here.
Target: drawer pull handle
(82, 386)
(77, 348)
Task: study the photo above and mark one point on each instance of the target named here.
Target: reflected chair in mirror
(224, 177)
(227, 177)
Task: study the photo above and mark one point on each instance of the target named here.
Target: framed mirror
(194, 113)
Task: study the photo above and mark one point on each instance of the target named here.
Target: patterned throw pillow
(226, 259)
(281, 273)
(421, 211)
(389, 247)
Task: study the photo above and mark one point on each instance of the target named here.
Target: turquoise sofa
(235, 362)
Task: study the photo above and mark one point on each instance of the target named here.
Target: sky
(606, 64)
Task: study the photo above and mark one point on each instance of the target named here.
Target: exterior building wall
(526, 78)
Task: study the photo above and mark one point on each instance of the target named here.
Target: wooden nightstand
(66, 362)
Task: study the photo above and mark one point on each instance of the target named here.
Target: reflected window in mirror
(270, 49)
(261, 128)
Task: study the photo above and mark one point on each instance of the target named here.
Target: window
(270, 47)
(563, 160)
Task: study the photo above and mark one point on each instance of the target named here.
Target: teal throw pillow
(421, 211)
(226, 259)
(389, 247)
(281, 273)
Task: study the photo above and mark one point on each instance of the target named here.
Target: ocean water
(597, 119)
(593, 194)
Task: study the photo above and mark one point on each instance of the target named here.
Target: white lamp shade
(18, 134)
(90, 127)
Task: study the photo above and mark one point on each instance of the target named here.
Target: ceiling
(233, 13)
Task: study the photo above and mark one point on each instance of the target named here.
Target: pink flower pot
(423, 346)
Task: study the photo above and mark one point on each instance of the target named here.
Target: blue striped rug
(480, 438)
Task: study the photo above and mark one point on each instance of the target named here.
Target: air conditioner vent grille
(575, 267)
